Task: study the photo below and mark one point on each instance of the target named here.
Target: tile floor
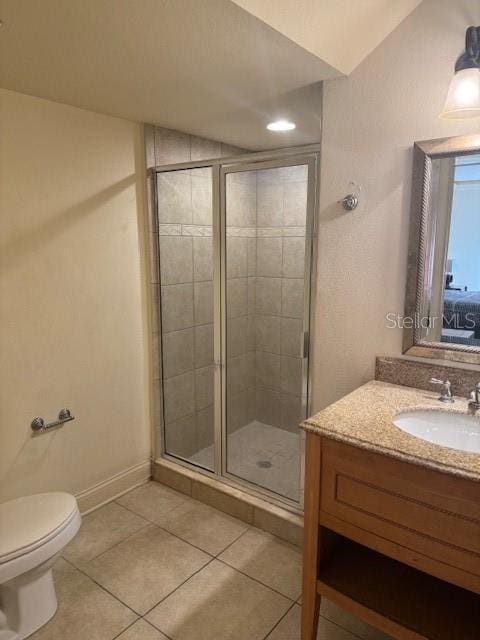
(257, 442)
(157, 565)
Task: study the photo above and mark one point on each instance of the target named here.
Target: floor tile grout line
(109, 592)
(248, 527)
(126, 628)
(159, 526)
(115, 544)
(173, 591)
(293, 600)
(279, 621)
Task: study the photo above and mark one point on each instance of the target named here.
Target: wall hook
(350, 201)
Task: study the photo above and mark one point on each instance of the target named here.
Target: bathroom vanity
(392, 521)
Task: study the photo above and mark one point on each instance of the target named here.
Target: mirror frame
(424, 153)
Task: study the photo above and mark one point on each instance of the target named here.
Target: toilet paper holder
(38, 424)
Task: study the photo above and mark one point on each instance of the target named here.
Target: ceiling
(207, 67)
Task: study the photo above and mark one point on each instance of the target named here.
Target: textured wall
(72, 302)
(371, 120)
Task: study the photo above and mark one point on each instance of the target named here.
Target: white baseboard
(113, 487)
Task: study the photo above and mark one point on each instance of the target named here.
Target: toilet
(33, 533)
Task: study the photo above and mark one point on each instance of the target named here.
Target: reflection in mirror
(451, 300)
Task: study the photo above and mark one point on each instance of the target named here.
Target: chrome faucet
(446, 393)
(474, 402)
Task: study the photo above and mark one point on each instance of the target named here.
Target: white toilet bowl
(33, 533)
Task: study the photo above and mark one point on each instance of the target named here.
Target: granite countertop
(364, 417)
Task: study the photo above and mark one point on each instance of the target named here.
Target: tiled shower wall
(279, 295)
(184, 234)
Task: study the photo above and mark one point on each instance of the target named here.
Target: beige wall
(371, 120)
(73, 330)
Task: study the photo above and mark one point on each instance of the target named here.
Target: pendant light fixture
(463, 98)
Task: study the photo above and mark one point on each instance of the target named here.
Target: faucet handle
(446, 394)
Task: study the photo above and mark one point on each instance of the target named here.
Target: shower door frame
(305, 155)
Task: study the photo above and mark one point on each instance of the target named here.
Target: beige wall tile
(268, 406)
(291, 331)
(204, 149)
(221, 500)
(267, 334)
(268, 296)
(252, 282)
(237, 297)
(291, 412)
(295, 204)
(238, 374)
(237, 336)
(237, 411)
(289, 529)
(292, 297)
(153, 263)
(203, 387)
(269, 204)
(176, 264)
(177, 306)
(181, 437)
(295, 173)
(205, 427)
(236, 257)
(267, 370)
(202, 210)
(240, 202)
(291, 375)
(177, 352)
(179, 397)
(269, 257)
(293, 258)
(171, 146)
(203, 301)
(202, 259)
(172, 477)
(174, 197)
(203, 345)
(252, 257)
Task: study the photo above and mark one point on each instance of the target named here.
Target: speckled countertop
(364, 418)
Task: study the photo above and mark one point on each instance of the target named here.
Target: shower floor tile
(264, 455)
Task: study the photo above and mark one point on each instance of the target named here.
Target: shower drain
(264, 464)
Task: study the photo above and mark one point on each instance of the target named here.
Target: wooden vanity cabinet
(394, 543)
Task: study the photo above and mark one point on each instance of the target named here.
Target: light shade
(463, 98)
(281, 125)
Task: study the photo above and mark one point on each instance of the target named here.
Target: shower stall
(236, 257)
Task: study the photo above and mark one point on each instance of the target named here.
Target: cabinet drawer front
(410, 506)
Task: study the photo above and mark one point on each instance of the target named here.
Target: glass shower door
(267, 240)
(185, 227)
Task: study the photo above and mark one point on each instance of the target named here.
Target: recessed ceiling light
(281, 125)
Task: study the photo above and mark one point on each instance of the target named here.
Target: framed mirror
(442, 308)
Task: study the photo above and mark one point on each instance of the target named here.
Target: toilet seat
(33, 529)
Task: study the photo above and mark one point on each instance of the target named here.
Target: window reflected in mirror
(452, 274)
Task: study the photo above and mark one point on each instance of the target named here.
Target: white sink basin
(454, 430)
